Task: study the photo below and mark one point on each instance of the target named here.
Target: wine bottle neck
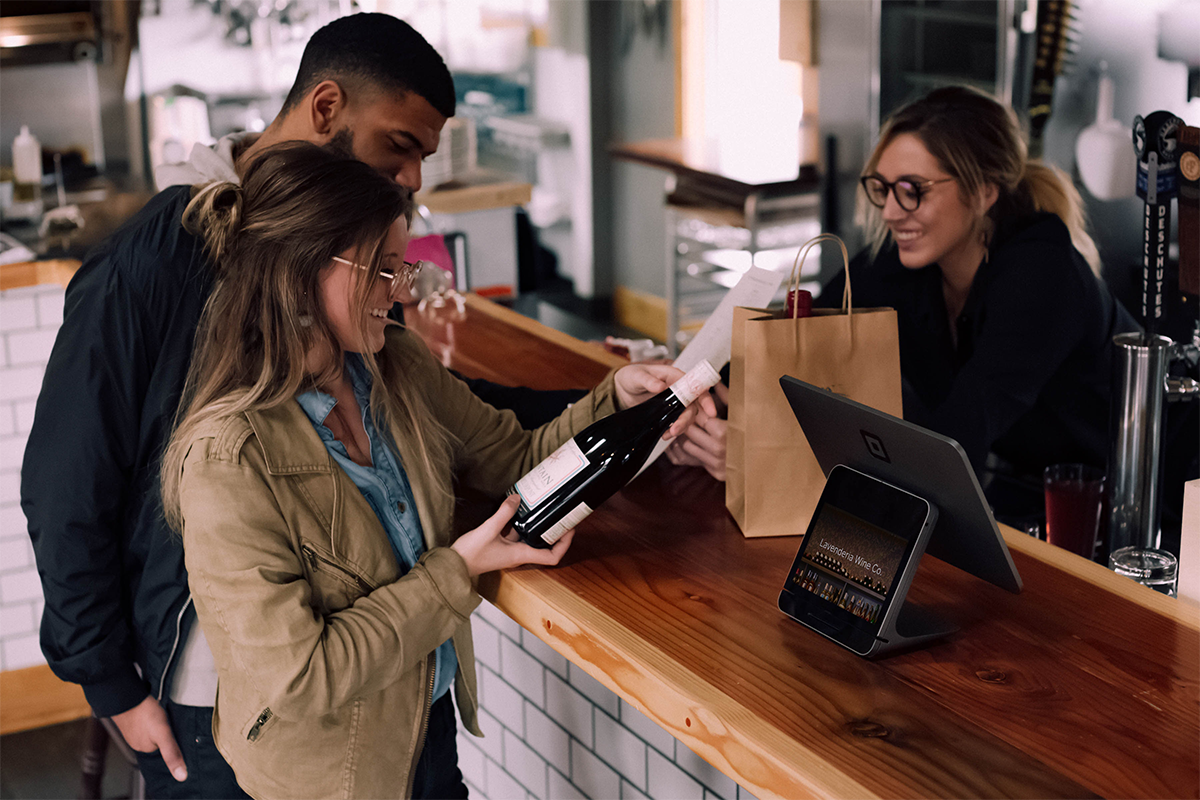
(668, 408)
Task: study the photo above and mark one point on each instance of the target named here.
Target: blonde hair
(270, 239)
(978, 141)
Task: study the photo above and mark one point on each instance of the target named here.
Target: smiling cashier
(1005, 325)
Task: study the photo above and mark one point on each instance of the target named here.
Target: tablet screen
(859, 540)
(851, 563)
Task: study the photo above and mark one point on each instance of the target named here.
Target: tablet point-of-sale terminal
(894, 491)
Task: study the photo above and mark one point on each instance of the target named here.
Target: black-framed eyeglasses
(908, 193)
(402, 278)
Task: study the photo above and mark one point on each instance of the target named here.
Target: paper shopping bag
(773, 480)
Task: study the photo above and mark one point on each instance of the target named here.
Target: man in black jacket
(118, 616)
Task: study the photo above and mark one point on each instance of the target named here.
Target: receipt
(755, 289)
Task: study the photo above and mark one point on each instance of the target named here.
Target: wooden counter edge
(586, 349)
(35, 697)
(1182, 613)
(36, 273)
(785, 769)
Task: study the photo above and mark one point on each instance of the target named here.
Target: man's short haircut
(375, 50)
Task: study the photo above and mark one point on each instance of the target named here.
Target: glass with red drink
(1074, 499)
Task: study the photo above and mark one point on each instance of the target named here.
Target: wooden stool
(97, 736)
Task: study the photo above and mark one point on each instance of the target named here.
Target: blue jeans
(209, 776)
(437, 776)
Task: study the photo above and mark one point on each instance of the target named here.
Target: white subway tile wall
(23, 651)
(630, 793)
(29, 321)
(555, 732)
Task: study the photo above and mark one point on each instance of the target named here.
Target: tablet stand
(913, 627)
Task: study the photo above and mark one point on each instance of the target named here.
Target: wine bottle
(799, 303)
(560, 492)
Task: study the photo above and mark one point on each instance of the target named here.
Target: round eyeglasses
(908, 193)
(399, 279)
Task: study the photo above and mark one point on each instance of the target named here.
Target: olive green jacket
(323, 650)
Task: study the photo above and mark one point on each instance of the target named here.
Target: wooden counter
(1084, 684)
(34, 273)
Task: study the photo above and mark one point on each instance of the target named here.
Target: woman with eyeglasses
(1005, 324)
(311, 475)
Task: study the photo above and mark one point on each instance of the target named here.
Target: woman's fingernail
(180, 774)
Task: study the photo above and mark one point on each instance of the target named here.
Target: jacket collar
(289, 442)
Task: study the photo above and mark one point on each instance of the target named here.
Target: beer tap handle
(1155, 140)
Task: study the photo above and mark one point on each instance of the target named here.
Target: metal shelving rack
(706, 210)
(695, 284)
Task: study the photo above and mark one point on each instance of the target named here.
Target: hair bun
(215, 213)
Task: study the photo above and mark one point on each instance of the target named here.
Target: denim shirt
(385, 487)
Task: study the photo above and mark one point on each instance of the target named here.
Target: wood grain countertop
(1083, 685)
(34, 273)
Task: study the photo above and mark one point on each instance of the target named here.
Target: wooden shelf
(34, 697)
(461, 197)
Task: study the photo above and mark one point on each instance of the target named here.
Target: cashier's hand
(146, 729)
(488, 548)
(703, 444)
(637, 383)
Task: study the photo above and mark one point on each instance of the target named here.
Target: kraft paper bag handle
(793, 283)
(798, 269)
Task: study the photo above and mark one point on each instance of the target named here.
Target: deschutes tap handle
(1155, 140)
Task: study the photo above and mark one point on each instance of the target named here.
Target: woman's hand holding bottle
(595, 463)
(494, 545)
(704, 444)
(621, 444)
(637, 383)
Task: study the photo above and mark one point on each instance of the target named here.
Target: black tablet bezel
(857, 494)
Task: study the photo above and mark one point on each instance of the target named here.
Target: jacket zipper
(162, 681)
(412, 771)
(312, 556)
(258, 723)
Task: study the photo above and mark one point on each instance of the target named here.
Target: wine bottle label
(555, 470)
(576, 516)
(695, 382)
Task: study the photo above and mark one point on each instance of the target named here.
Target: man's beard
(342, 144)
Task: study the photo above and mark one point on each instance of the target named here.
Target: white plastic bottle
(27, 176)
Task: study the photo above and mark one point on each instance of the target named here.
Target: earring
(985, 238)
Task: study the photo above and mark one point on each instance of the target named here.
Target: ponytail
(215, 213)
(1050, 189)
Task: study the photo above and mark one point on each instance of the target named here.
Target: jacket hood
(205, 165)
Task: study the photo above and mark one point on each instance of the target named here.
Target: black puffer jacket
(117, 604)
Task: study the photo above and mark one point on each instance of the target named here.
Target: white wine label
(555, 470)
(576, 516)
(695, 382)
